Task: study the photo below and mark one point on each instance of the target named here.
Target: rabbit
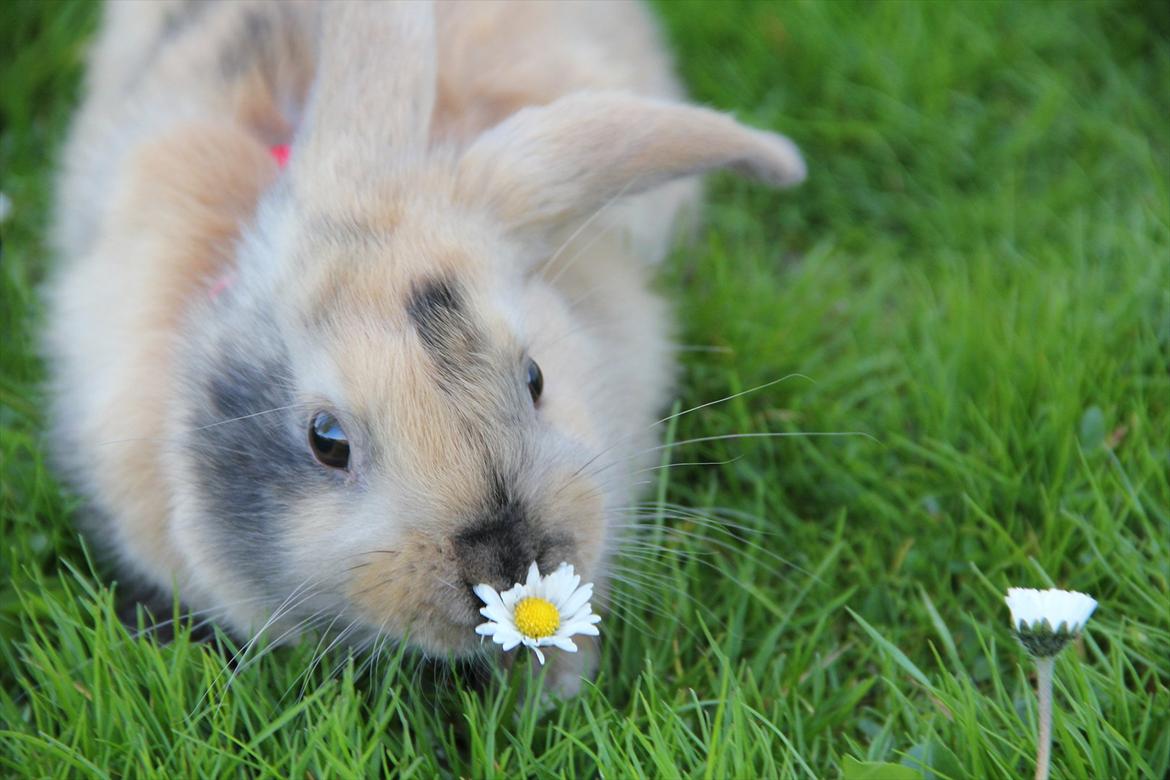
(423, 354)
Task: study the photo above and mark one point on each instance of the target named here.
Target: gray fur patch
(252, 467)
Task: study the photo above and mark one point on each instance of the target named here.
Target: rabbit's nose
(498, 555)
(496, 546)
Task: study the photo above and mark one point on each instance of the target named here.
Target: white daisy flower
(544, 611)
(1062, 609)
(1045, 620)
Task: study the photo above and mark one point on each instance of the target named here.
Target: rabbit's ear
(544, 168)
(374, 90)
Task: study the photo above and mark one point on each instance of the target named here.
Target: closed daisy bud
(1046, 620)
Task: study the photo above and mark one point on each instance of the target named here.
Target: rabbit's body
(396, 277)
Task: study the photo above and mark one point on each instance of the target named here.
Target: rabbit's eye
(535, 380)
(330, 446)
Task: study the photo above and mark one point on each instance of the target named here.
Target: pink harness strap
(223, 281)
(280, 154)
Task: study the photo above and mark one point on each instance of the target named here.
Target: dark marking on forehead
(433, 305)
(440, 316)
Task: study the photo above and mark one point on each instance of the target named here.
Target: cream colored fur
(531, 151)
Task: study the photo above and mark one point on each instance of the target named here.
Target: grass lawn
(976, 275)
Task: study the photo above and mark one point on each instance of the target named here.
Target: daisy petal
(584, 615)
(488, 595)
(564, 643)
(560, 584)
(496, 614)
(576, 600)
(511, 596)
(539, 655)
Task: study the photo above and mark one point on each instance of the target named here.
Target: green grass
(977, 274)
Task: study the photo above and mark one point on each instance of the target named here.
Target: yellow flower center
(536, 618)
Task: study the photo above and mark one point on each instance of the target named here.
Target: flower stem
(1044, 667)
